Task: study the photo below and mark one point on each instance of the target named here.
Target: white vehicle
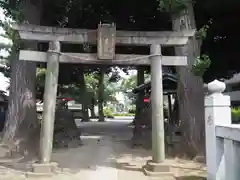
(70, 104)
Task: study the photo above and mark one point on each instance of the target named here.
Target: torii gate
(106, 37)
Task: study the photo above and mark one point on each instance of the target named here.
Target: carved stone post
(156, 167)
(217, 112)
(50, 95)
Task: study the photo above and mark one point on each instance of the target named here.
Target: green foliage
(41, 76)
(124, 114)
(15, 43)
(236, 115)
(202, 32)
(108, 112)
(221, 43)
(201, 65)
(12, 10)
(173, 6)
(132, 110)
(74, 91)
(91, 82)
(127, 85)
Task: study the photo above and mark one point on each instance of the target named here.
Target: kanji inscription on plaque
(106, 41)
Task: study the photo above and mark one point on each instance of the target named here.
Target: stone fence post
(217, 112)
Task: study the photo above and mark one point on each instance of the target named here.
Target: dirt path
(106, 155)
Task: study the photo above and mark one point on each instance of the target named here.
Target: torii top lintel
(78, 36)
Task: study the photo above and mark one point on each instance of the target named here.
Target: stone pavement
(106, 155)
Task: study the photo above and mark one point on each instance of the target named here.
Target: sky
(4, 82)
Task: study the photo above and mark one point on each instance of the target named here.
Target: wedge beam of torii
(45, 33)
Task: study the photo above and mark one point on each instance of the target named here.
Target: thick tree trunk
(21, 127)
(21, 132)
(93, 114)
(85, 116)
(66, 132)
(190, 90)
(175, 112)
(100, 96)
(140, 96)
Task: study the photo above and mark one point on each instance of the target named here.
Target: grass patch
(124, 114)
(236, 115)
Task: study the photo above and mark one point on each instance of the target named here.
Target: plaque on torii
(106, 40)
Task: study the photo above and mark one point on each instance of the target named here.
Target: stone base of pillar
(32, 175)
(45, 168)
(42, 170)
(158, 170)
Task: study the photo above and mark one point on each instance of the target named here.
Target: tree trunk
(85, 116)
(190, 90)
(66, 132)
(93, 114)
(22, 130)
(140, 96)
(100, 96)
(175, 112)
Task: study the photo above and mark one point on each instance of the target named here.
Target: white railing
(234, 95)
(222, 137)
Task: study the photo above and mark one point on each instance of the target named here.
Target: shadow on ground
(103, 145)
(191, 178)
(128, 167)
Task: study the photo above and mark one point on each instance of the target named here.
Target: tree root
(66, 132)
(27, 141)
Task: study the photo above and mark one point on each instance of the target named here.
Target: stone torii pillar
(45, 166)
(158, 146)
(155, 167)
(50, 95)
